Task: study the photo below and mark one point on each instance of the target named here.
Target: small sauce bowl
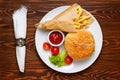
(55, 37)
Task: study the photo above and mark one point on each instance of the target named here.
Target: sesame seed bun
(80, 44)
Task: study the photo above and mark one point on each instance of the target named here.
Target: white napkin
(20, 26)
(20, 54)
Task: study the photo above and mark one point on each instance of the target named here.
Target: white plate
(76, 66)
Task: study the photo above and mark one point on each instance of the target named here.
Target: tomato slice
(68, 60)
(46, 46)
(54, 50)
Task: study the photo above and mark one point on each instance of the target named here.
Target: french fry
(79, 9)
(82, 20)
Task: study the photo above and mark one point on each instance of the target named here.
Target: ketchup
(55, 37)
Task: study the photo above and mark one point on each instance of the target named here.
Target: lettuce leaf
(59, 59)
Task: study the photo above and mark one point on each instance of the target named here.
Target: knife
(20, 27)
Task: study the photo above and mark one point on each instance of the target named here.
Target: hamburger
(80, 44)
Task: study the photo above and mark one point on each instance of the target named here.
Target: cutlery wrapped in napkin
(20, 28)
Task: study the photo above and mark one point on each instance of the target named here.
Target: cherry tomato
(46, 46)
(54, 50)
(68, 60)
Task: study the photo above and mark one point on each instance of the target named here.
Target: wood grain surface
(106, 67)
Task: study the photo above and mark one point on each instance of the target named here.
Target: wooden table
(107, 66)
